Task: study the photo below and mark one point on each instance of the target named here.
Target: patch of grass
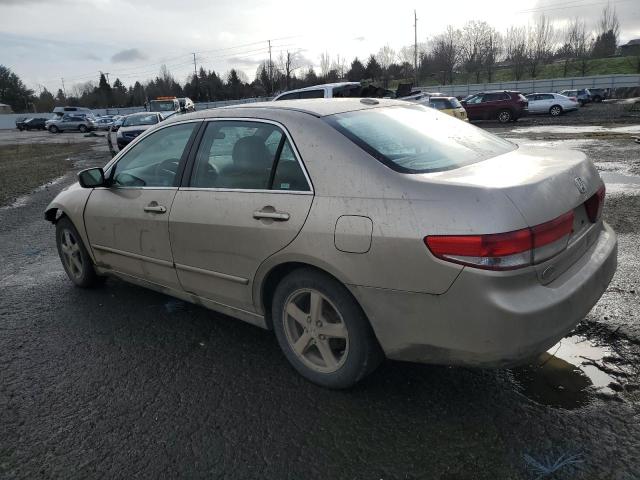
(26, 167)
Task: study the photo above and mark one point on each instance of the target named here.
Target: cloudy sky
(44, 40)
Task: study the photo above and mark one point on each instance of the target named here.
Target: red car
(504, 106)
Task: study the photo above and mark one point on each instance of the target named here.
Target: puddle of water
(577, 129)
(570, 373)
(620, 178)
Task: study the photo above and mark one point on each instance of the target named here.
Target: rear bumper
(490, 319)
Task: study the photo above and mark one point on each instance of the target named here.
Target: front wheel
(53, 129)
(322, 330)
(82, 128)
(74, 256)
(555, 110)
(504, 116)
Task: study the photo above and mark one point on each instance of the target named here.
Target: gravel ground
(121, 382)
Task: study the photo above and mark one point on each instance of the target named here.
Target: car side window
(241, 155)
(290, 96)
(154, 161)
(312, 94)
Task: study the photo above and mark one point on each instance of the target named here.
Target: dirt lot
(124, 382)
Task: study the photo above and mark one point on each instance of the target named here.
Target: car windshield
(133, 120)
(415, 139)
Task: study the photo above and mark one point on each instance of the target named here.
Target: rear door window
(242, 155)
(312, 94)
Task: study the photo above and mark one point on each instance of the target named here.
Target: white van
(59, 112)
(328, 90)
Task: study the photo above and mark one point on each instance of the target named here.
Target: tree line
(470, 54)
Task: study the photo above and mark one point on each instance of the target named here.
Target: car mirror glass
(91, 178)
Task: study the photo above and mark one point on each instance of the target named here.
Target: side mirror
(91, 178)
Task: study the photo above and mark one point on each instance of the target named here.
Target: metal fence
(8, 121)
(547, 85)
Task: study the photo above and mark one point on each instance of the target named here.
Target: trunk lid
(542, 184)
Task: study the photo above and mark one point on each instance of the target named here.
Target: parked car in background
(135, 124)
(450, 106)
(70, 122)
(328, 90)
(186, 105)
(582, 96)
(103, 123)
(354, 229)
(117, 122)
(552, 103)
(504, 106)
(599, 94)
(166, 105)
(31, 124)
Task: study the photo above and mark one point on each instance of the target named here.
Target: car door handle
(273, 215)
(155, 208)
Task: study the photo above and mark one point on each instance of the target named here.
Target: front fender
(71, 202)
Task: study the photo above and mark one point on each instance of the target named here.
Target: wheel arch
(269, 276)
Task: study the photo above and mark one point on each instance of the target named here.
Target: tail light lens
(595, 203)
(504, 251)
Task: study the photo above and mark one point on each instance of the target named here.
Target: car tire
(597, 99)
(83, 129)
(54, 129)
(75, 259)
(555, 111)
(338, 347)
(505, 116)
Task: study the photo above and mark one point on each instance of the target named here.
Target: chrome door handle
(155, 209)
(281, 216)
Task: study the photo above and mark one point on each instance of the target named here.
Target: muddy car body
(353, 228)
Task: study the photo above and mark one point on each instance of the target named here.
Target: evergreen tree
(357, 71)
(373, 69)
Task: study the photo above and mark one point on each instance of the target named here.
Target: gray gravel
(121, 382)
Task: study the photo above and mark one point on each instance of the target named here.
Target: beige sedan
(355, 229)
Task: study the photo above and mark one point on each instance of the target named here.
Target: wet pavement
(121, 382)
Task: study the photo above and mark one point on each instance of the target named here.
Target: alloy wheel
(555, 111)
(315, 330)
(504, 116)
(71, 253)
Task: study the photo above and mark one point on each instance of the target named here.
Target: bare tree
(516, 50)
(325, 64)
(608, 33)
(541, 40)
(494, 46)
(578, 42)
(386, 57)
(340, 66)
(287, 64)
(472, 47)
(445, 53)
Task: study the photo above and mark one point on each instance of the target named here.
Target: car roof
(318, 107)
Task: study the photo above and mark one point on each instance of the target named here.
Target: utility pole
(195, 76)
(270, 70)
(415, 47)
(63, 89)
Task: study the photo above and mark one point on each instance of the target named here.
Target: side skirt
(249, 317)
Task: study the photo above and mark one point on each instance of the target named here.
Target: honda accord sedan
(355, 229)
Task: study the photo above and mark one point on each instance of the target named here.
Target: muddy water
(573, 372)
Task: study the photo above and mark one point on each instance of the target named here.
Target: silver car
(552, 103)
(70, 122)
(355, 229)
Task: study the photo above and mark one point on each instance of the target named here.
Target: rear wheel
(54, 129)
(322, 330)
(82, 128)
(74, 256)
(597, 99)
(504, 116)
(555, 110)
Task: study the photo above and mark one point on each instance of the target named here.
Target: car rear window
(416, 139)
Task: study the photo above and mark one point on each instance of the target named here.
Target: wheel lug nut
(318, 323)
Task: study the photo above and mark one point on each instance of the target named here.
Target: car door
(247, 197)
(128, 222)
(473, 106)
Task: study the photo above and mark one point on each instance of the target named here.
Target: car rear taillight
(594, 204)
(504, 251)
